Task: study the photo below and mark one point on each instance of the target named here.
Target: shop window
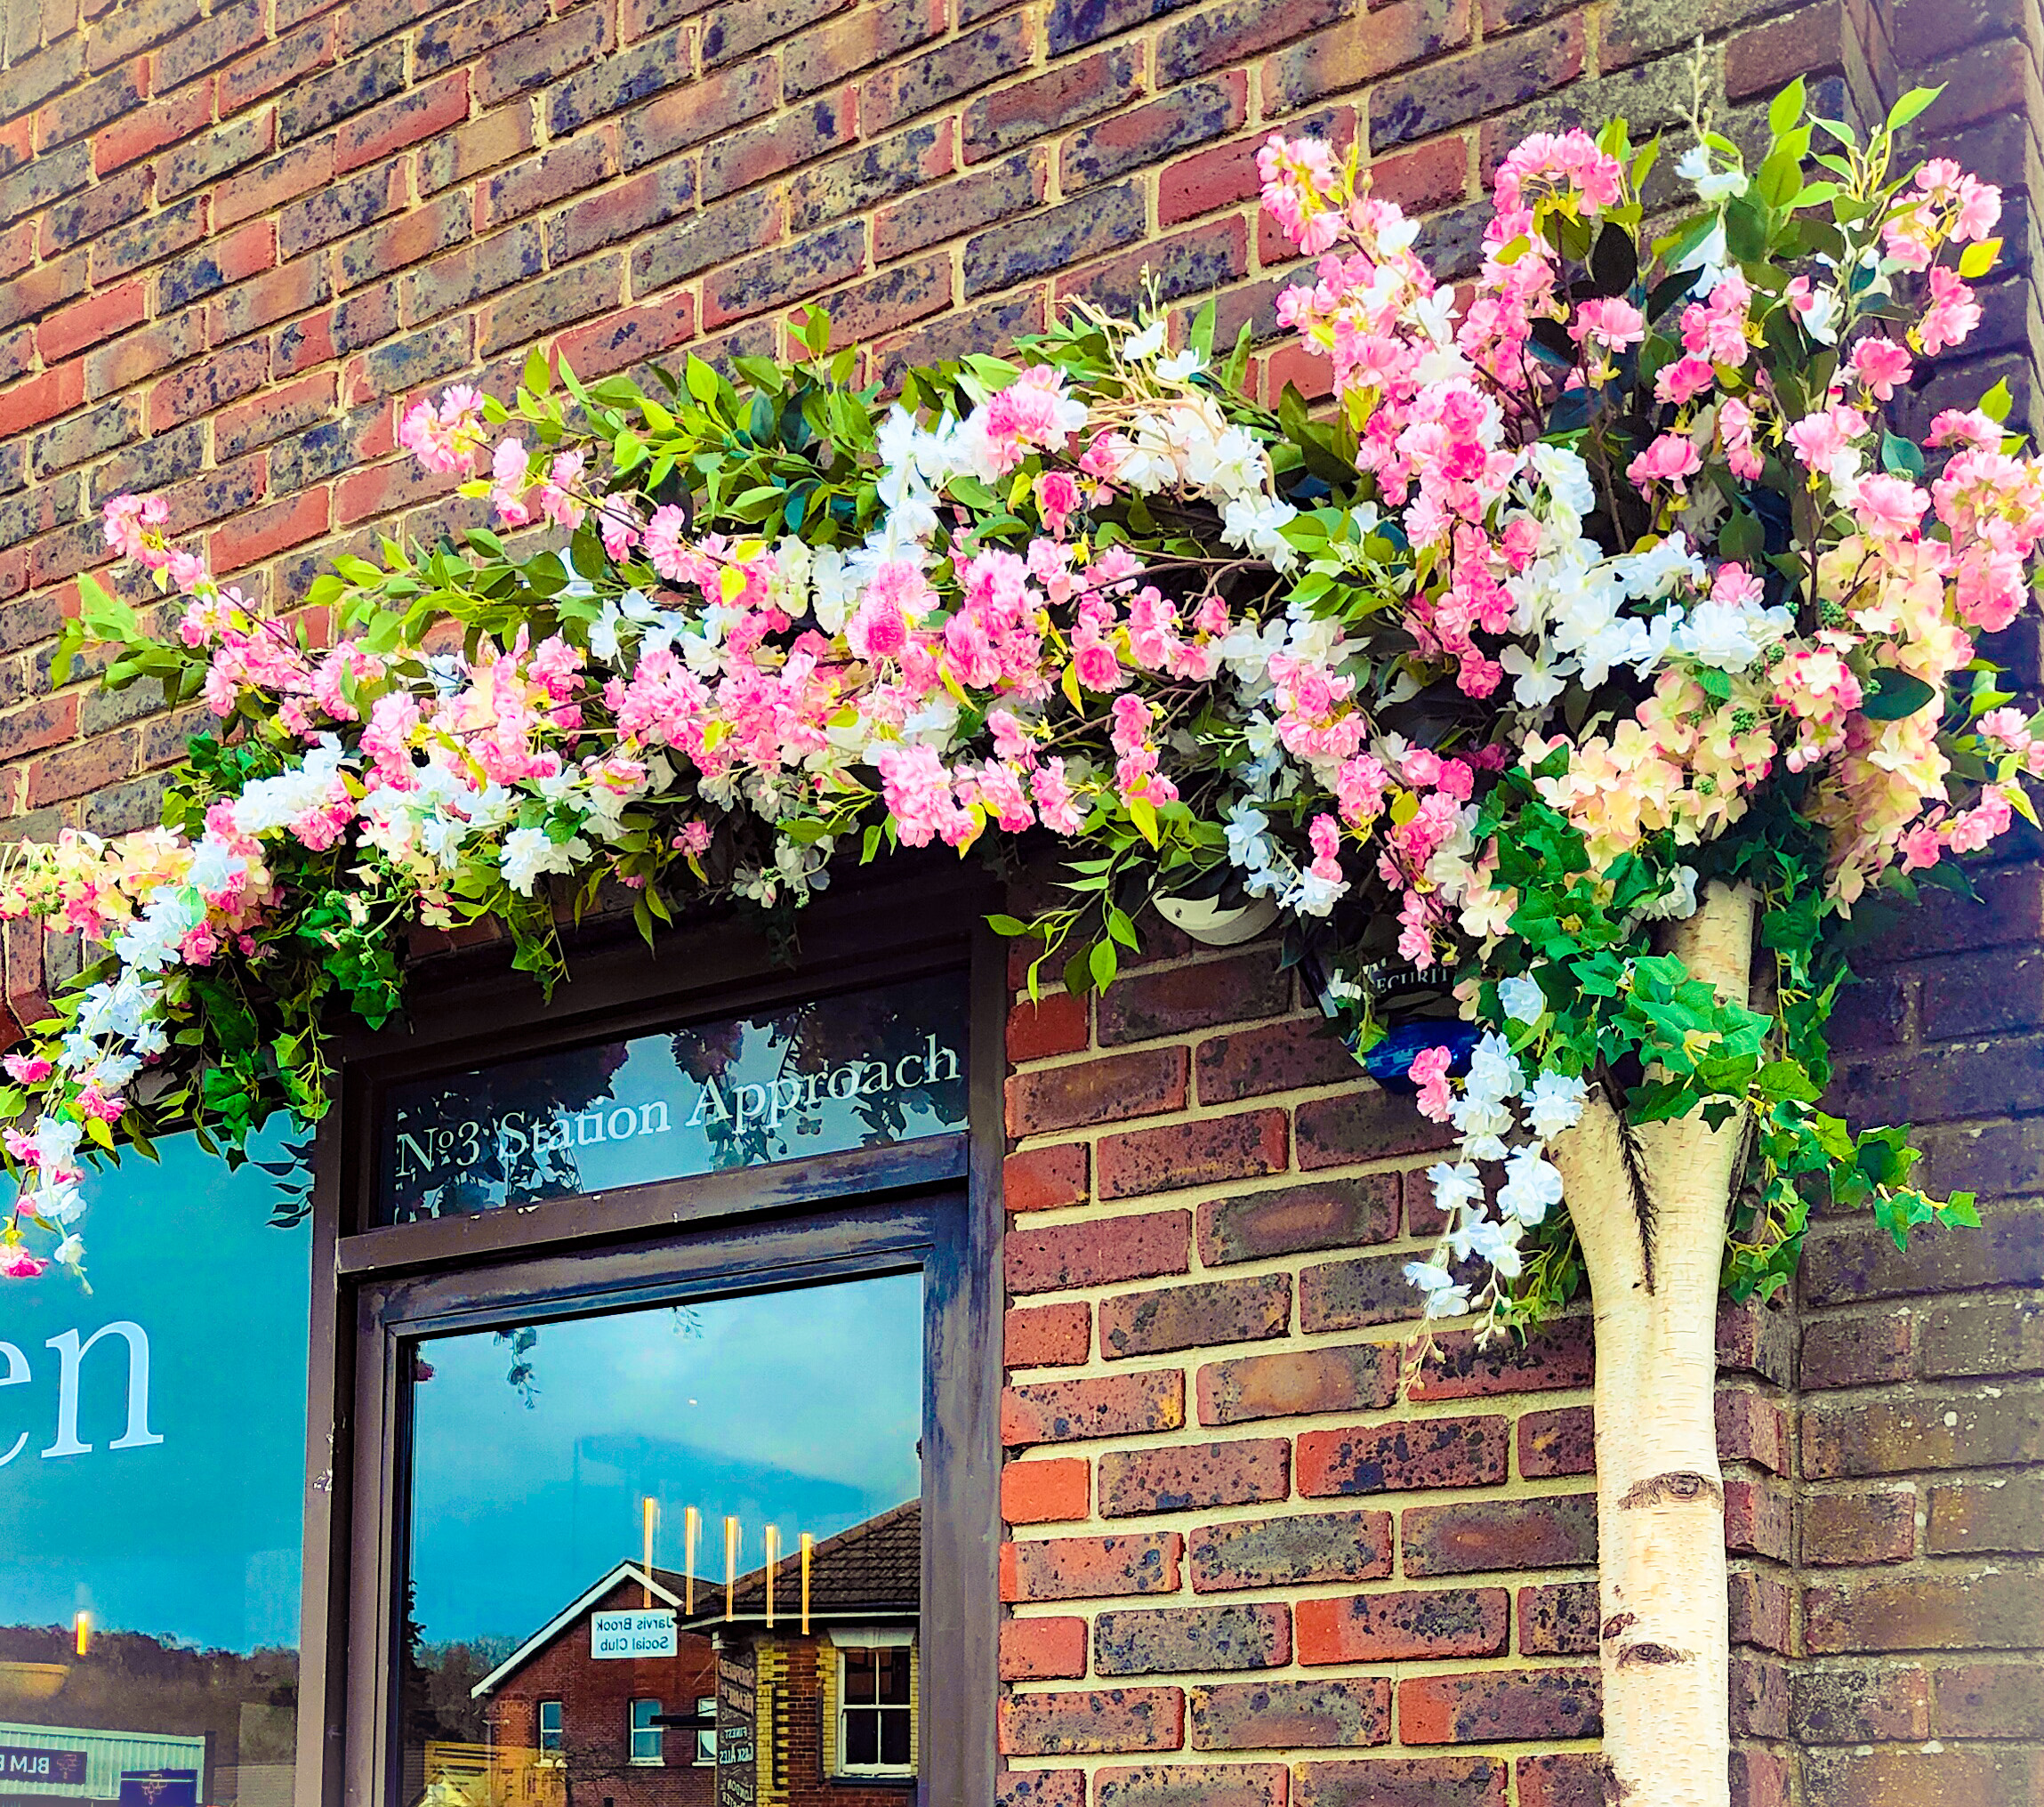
(550, 1726)
(152, 1464)
(648, 1735)
(706, 1735)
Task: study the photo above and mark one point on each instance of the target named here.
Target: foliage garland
(1600, 584)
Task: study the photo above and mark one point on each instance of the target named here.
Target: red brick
(1294, 1382)
(47, 721)
(211, 383)
(1981, 1610)
(384, 488)
(262, 533)
(1170, 1000)
(948, 210)
(1207, 180)
(1987, 1700)
(1066, 1411)
(781, 142)
(1141, 137)
(1109, 1089)
(425, 111)
(828, 53)
(1401, 1782)
(1555, 1530)
(1041, 1493)
(1424, 179)
(1055, 1024)
(1162, 1640)
(1426, 1452)
(788, 273)
(1280, 1057)
(1557, 1355)
(1847, 1529)
(1206, 1313)
(1758, 1519)
(1193, 1785)
(1048, 1336)
(1765, 59)
(1751, 1428)
(1564, 1778)
(1403, 1626)
(87, 322)
(1499, 1704)
(1212, 1150)
(1326, 1712)
(1294, 1551)
(77, 770)
(1091, 1568)
(1327, 1214)
(284, 408)
(1045, 1179)
(628, 336)
(1064, 96)
(1040, 1788)
(1558, 1620)
(1368, 1124)
(2006, 1513)
(42, 398)
(1042, 1650)
(277, 65)
(1099, 1252)
(1134, 1482)
(1108, 1721)
(150, 128)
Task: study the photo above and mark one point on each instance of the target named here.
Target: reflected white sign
(625, 1634)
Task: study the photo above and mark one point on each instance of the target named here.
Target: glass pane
(544, 1457)
(862, 1737)
(857, 1072)
(152, 1463)
(894, 1738)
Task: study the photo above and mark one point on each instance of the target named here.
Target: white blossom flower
(527, 852)
(1456, 1185)
(1711, 185)
(1533, 1184)
(1554, 1102)
(1494, 1071)
(1523, 999)
(1145, 342)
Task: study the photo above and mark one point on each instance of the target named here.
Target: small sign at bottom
(619, 1634)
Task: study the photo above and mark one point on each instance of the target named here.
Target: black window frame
(934, 1202)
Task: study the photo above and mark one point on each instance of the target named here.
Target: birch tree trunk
(1664, 1648)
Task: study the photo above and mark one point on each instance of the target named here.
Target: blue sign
(860, 1071)
(160, 1788)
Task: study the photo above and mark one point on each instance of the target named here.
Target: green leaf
(1901, 456)
(538, 377)
(1102, 964)
(1786, 108)
(1009, 926)
(1996, 402)
(1976, 260)
(1910, 104)
(1897, 695)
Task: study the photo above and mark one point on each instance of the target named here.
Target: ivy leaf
(1614, 261)
(1901, 457)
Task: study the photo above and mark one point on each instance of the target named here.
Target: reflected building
(751, 1710)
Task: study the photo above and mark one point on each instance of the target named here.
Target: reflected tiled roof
(873, 1569)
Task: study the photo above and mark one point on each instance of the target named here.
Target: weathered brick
(1108, 1721)
(313, 105)
(1988, 1700)
(1888, 1436)
(201, 388)
(482, 144)
(630, 337)
(1040, 1788)
(1751, 1428)
(150, 128)
(569, 44)
(297, 172)
(1153, 1641)
(1858, 1351)
(1489, 80)
(1363, 1125)
(1558, 1620)
(468, 274)
(1054, 1024)
(230, 30)
(1048, 1336)
(87, 217)
(1090, 1568)
(1277, 1058)
(565, 169)
(952, 335)
(1133, 1482)
(1042, 1650)
(90, 105)
(1847, 1529)
(1045, 1179)
(619, 81)
(1569, 1779)
(422, 113)
(1205, 1152)
(1209, 1311)
(1456, 1781)
(86, 436)
(1555, 1355)
(1108, 1090)
(1172, 999)
(798, 135)
(1937, 1776)
(1321, 1714)
(1986, 1611)
(1064, 1411)
(341, 207)
(700, 111)
(909, 160)
(1327, 1213)
(458, 33)
(1039, 1493)
(1053, 238)
(1858, 1706)
(1495, 1705)
(1371, 1289)
(970, 60)
(1049, 1258)
(279, 410)
(1427, 1452)
(1401, 1627)
(623, 210)
(830, 52)
(1989, 1337)
(1219, 35)
(1553, 1531)
(1289, 1551)
(2004, 1514)
(1193, 1785)
(689, 246)
(1296, 1383)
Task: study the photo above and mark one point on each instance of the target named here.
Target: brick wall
(237, 236)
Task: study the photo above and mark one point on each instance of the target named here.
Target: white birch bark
(1664, 1644)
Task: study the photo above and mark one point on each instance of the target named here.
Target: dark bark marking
(1678, 1487)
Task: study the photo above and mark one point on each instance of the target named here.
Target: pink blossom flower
(1888, 506)
(444, 440)
(1879, 363)
(27, 1069)
(1684, 380)
(1950, 317)
(918, 792)
(1057, 497)
(16, 1264)
(1967, 427)
(1429, 1072)
(1819, 438)
(667, 546)
(1611, 321)
(1735, 429)
(1670, 459)
(1055, 804)
(132, 527)
(1546, 161)
(512, 473)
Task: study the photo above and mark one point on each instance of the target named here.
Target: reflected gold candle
(808, 1545)
(773, 1556)
(730, 1564)
(691, 1533)
(652, 1516)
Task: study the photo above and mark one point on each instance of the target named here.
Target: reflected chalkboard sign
(859, 1070)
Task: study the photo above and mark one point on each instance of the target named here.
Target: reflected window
(876, 1717)
(152, 1462)
(676, 1518)
(646, 1731)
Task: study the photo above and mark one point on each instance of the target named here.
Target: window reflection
(152, 1451)
(764, 1452)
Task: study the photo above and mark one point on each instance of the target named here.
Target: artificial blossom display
(1603, 614)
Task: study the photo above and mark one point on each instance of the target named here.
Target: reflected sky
(799, 1408)
(196, 1536)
